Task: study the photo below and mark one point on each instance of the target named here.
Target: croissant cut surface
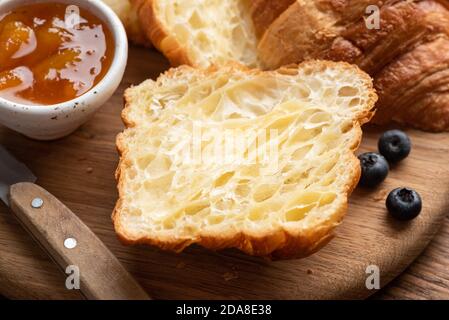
(201, 32)
(408, 57)
(280, 206)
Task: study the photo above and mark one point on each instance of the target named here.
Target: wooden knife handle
(51, 223)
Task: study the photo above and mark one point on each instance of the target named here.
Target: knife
(68, 241)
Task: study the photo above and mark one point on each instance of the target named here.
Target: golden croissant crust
(408, 57)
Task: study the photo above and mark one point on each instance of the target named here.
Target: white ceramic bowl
(56, 121)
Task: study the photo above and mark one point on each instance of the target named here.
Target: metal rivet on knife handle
(37, 203)
(70, 243)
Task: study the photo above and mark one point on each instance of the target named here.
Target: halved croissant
(279, 193)
(408, 57)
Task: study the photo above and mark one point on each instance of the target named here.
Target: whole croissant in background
(408, 57)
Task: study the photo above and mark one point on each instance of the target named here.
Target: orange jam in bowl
(51, 54)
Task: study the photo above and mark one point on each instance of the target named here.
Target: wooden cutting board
(79, 170)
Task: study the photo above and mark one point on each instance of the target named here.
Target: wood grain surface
(79, 170)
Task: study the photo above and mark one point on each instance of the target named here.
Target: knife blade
(65, 238)
(11, 172)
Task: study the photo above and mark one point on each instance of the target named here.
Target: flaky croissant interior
(291, 172)
(215, 31)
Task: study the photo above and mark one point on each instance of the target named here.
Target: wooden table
(426, 278)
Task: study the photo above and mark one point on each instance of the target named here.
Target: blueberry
(394, 145)
(404, 204)
(374, 169)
